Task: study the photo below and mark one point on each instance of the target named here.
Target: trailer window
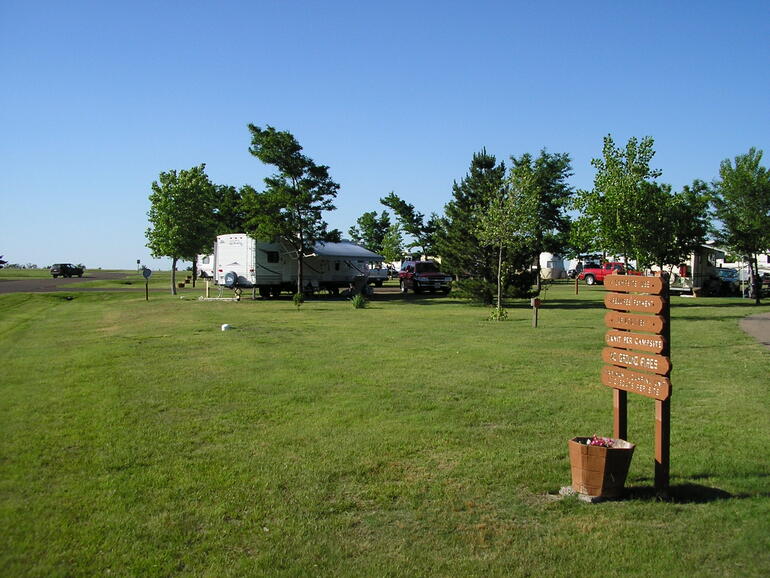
(336, 265)
(272, 256)
(205, 260)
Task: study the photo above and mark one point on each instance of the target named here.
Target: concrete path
(758, 326)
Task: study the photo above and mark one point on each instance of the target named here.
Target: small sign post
(146, 274)
(638, 357)
(535, 302)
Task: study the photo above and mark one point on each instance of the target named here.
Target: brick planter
(597, 470)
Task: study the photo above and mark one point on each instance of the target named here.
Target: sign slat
(636, 283)
(644, 361)
(646, 384)
(630, 321)
(640, 341)
(633, 302)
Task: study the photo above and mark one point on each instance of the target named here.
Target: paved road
(758, 326)
(44, 285)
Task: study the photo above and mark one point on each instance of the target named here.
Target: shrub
(498, 314)
(359, 301)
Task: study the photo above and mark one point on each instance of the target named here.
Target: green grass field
(410, 438)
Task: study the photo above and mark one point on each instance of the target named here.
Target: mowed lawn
(411, 438)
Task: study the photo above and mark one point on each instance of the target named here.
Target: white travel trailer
(271, 267)
(204, 265)
(552, 266)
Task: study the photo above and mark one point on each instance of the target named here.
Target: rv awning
(345, 250)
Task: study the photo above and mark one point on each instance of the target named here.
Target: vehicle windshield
(426, 267)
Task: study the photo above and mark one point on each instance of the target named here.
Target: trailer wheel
(264, 292)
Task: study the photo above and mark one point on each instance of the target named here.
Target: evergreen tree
(462, 251)
(292, 204)
(413, 223)
(543, 198)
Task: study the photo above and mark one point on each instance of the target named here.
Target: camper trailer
(271, 267)
(204, 264)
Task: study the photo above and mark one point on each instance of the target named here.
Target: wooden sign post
(638, 356)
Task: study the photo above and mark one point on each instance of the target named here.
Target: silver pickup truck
(377, 276)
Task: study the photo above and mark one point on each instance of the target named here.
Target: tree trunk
(756, 280)
(173, 275)
(299, 273)
(500, 278)
(195, 270)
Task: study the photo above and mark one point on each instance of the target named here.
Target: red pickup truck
(593, 273)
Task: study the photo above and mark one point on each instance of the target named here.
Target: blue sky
(99, 97)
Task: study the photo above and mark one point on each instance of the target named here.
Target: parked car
(422, 276)
(723, 282)
(593, 273)
(66, 270)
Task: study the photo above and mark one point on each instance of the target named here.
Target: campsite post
(535, 302)
(146, 273)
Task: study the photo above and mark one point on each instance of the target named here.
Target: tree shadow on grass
(688, 492)
(679, 494)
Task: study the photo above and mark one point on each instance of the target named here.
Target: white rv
(204, 264)
(271, 267)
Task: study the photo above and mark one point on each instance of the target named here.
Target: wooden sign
(628, 340)
(645, 361)
(636, 283)
(633, 302)
(648, 323)
(650, 297)
(646, 384)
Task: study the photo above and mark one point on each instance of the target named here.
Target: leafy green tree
(741, 200)
(181, 215)
(458, 241)
(295, 197)
(393, 244)
(413, 222)
(543, 196)
(370, 230)
(617, 210)
(3, 262)
(677, 223)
